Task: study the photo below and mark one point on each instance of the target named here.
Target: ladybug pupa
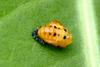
(54, 34)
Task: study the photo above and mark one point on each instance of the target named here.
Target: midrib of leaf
(89, 33)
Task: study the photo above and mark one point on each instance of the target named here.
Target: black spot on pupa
(50, 26)
(49, 33)
(58, 28)
(54, 34)
(65, 30)
(64, 37)
(55, 27)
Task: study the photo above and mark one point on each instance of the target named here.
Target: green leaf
(18, 19)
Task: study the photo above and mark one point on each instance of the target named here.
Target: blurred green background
(18, 18)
